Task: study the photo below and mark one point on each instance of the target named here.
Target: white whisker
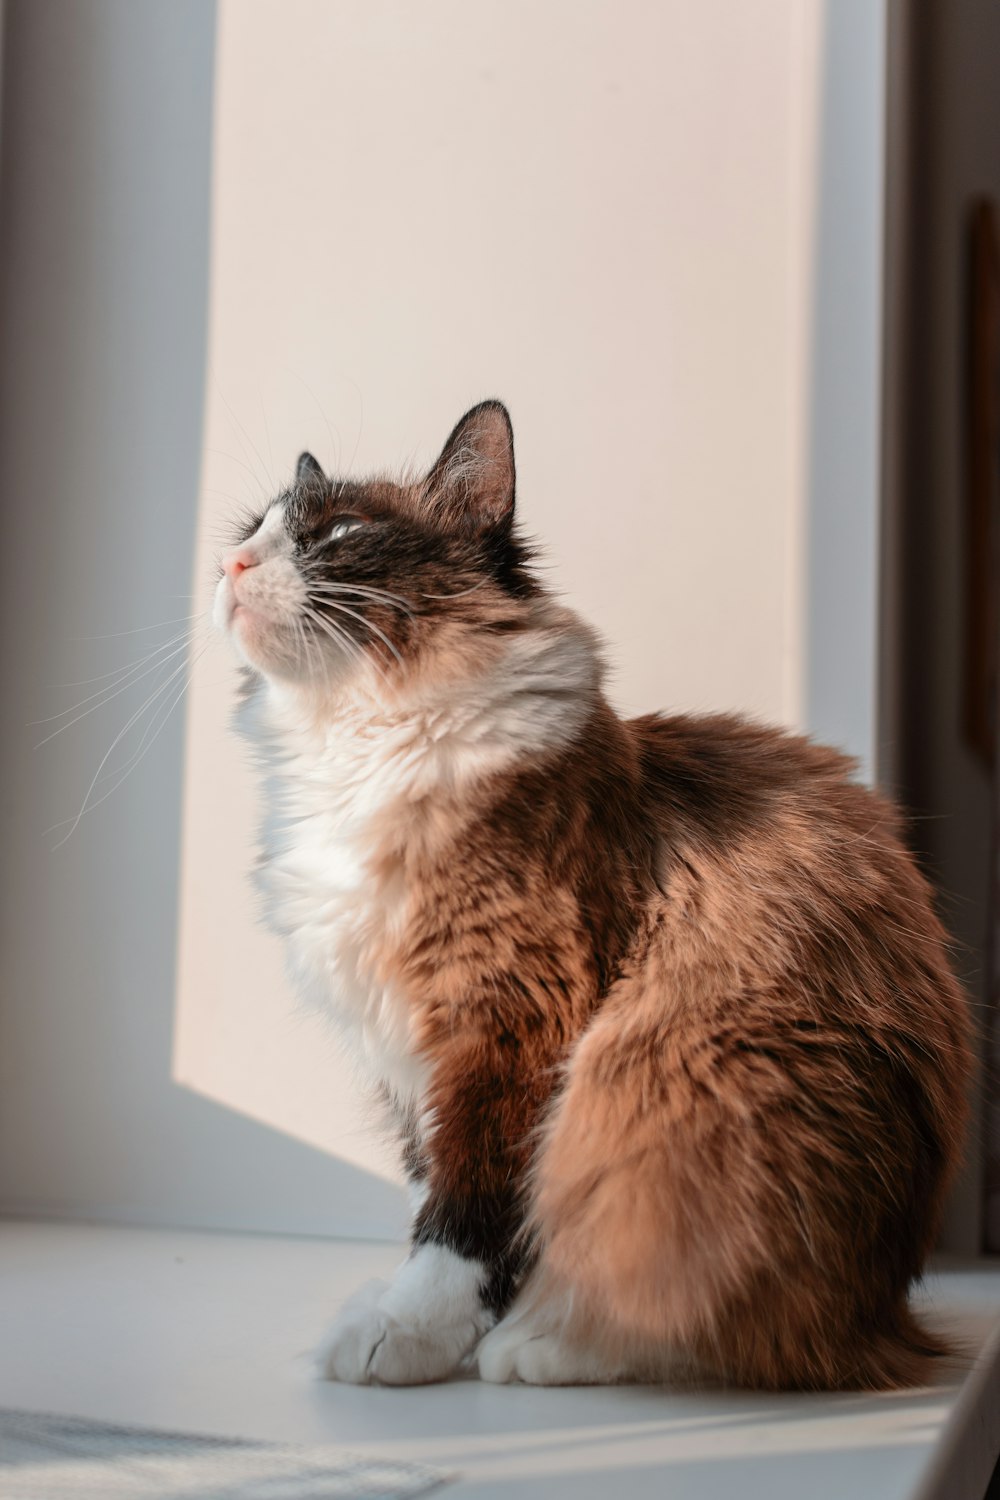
(131, 676)
(117, 671)
(331, 603)
(138, 752)
(366, 591)
(245, 440)
(158, 693)
(138, 629)
(334, 631)
(341, 638)
(123, 772)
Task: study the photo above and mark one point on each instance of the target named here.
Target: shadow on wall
(106, 173)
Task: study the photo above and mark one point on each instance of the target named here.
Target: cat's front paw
(349, 1347)
(368, 1345)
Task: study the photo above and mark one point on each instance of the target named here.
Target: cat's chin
(316, 686)
(254, 641)
(259, 646)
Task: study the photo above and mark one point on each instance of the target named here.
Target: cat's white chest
(339, 902)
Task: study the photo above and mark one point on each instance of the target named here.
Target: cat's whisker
(139, 629)
(302, 644)
(122, 773)
(324, 620)
(232, 458)
(311, 652)
(343, 639)
(369, 592)
(86, 805)
(331, 603)
(116, 672)
(267, 431)
(366, 591)
(244, 438)
(348, 590)
(335, 444)
(302, 652)
(120, 671)
(150, 733)
(361, 423)
(336, 634)
(131, 676)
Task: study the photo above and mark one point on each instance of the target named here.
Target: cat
(660, 1008)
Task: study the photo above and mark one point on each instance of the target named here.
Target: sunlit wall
(608, 215)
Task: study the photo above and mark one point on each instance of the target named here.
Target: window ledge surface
(211, 1333)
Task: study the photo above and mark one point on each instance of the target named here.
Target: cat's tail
(899, 1355)
(684, 1206)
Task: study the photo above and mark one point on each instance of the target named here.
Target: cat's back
(778, 860)
(724, 789)
(724, 776)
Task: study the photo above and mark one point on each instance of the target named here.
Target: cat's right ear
(473, 480)
(308, 471)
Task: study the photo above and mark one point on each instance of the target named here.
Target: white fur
(270, 539)
(418, 1329)
(328, 785)
(532, 1347)
(534, 1344)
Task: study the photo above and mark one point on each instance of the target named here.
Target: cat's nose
(237, 561)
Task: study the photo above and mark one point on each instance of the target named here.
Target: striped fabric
(62, 1458)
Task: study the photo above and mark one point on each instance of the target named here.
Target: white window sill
(211, 1332)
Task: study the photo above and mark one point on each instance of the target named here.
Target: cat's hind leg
(732, 1189)
(531, 1344)
(540, 1342)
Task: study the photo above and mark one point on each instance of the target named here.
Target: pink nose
(237, 562)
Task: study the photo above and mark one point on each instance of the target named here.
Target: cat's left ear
(308, 471)
(473, 480)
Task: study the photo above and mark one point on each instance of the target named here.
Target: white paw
(346, 1352)
(376, 1350)
(375, 1340)
(521, 1348)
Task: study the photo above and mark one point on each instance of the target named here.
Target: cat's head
(340, 576)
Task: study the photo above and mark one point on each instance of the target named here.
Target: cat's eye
(344, 526)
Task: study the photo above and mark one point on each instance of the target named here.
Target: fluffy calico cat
(660, 1006)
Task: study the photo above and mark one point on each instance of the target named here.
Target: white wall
(495, 199)
(605, 214)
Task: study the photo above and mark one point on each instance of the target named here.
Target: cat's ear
(308, 471)
(473, 480)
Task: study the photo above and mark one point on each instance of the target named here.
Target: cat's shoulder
(731, 772)
(712, 745)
